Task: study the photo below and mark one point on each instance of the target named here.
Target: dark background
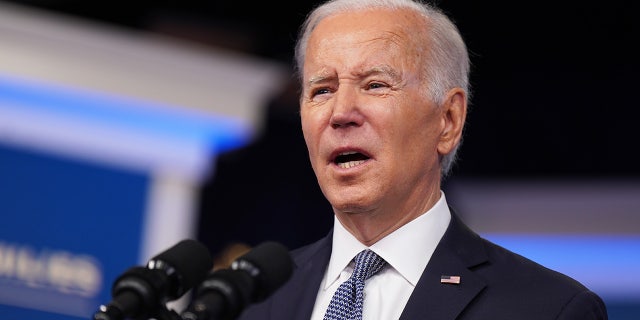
(555, 82)
(554, 96)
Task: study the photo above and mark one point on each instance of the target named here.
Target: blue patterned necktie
(347, 302)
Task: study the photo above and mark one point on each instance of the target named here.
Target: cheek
(421, 131)
(313, 119)
(310, 132)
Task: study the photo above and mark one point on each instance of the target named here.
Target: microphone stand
(166, 314)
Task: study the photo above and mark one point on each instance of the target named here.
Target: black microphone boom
(252, 278)
(142, 292)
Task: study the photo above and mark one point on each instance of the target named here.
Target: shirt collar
(345, 247)
(420, 238)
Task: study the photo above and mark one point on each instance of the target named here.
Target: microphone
(252, 278)
(141, 292)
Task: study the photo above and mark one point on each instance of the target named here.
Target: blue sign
(68, 229)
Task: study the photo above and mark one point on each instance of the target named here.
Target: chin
(349, 204)
(355, 197)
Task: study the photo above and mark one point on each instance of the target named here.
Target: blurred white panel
(582, 206)
(59, 49)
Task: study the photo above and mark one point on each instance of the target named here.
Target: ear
(454, 114)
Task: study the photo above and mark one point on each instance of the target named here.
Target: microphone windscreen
(191, 259)
(271, 266)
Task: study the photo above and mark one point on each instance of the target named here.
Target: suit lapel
(458, 251)
(301, 290)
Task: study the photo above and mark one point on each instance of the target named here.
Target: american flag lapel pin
(450, 279)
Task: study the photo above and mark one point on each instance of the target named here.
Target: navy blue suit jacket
(495, 284)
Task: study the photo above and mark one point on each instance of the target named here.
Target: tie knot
(368, 263)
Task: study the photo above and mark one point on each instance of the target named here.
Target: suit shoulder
(516, 267)
(517, 281)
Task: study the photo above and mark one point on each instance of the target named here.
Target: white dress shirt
(407, 252)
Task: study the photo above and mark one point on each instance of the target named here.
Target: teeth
(350, 164)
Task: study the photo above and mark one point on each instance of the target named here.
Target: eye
(319, 91)
(376, 85)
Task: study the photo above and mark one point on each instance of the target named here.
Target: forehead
(373, 16)
(367, 33)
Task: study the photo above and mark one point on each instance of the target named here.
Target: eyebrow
(319, 79)
(382, 69)
(379, 69)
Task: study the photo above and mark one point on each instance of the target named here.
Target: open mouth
(350, 159)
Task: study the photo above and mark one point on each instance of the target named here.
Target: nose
(346, 110)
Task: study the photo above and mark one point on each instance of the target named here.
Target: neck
(371, 226)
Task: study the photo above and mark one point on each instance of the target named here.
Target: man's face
(373, 136)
